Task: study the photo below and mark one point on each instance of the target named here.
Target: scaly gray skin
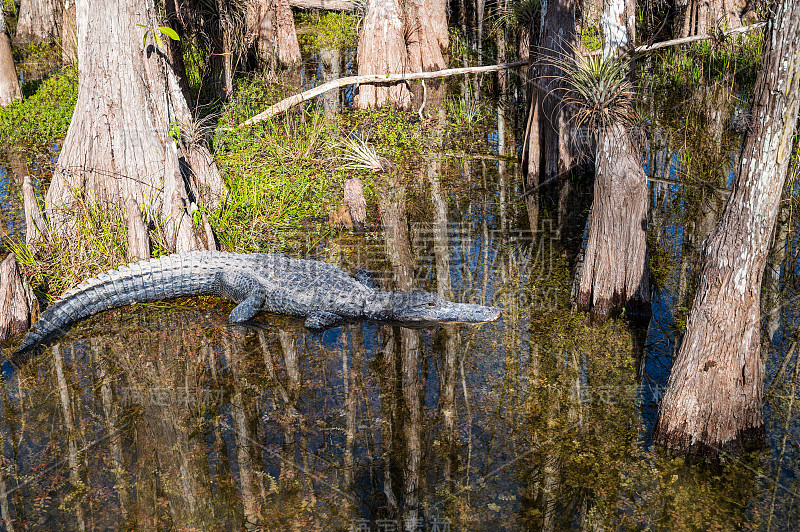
(322, 293)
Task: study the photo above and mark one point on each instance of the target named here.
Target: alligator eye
(432, 304)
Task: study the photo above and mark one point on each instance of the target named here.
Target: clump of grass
(99, 243)
(330, 31)
(43, 117)
(34, 58)
(466, 113)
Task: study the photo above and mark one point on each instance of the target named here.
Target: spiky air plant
(595, 89)
(360, 156)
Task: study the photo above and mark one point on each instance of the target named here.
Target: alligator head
(419, 308)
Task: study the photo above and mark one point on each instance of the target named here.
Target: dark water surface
(164, 417)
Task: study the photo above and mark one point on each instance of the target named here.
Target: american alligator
(321, 292)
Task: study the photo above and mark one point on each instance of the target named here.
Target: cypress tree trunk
(9, 82)
(546, 152)
(69, 39)
(382, 50)
(437, 11)
(713, 399)
(118, 145)
(616, 273)
(277, 38)
(424, 53)
(39, 20)
(701, 17)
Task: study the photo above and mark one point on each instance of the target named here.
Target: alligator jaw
(448, 312)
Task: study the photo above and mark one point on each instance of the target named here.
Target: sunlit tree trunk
(701, 17)
(9, 82)
(382, 50)
(616, 275)
(69, 38)
(277, 38)
(713, 399)
(39, 20)
(118, 145)
(438, 10)
(18, 304)
(424, 53)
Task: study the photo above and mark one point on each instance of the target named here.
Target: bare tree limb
(291, 101)
(685, 40)
(328, 5)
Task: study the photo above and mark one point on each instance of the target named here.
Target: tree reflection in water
(161, 417)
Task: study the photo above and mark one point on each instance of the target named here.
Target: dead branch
(291, 101)
(327, 5)
(685, 40)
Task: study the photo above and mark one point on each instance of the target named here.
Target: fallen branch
(291, 101)
(328, 5)
(685, 40)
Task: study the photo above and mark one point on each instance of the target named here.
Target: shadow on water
(163, 416)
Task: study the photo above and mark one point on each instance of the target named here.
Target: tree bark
(9, 82)
(713, 401)
(69, 38)
(18, 305)
(546, 151)
(437, 11)
(39, 20)
(424, 53)
(382, 50)
(615, 274)
(118, 145)
(700, 17)
(277, 38)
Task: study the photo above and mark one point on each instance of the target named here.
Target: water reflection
(162, 416)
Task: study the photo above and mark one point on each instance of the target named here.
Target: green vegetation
(42, 118)
(329, 31)
(597, 88)
(102, 244)
(737, 59)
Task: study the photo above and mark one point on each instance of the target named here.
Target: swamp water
(164, 417)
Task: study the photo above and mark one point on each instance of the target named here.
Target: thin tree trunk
(118, 145)
(9, 82)
(39, 20)
(382, 50)
(69, 37)
(713, 399)
(546, 151)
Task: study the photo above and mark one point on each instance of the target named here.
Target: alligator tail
(150, 280)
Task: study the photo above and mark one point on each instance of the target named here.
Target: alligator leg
(247, 309)
(322, 319)
(245, 290)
